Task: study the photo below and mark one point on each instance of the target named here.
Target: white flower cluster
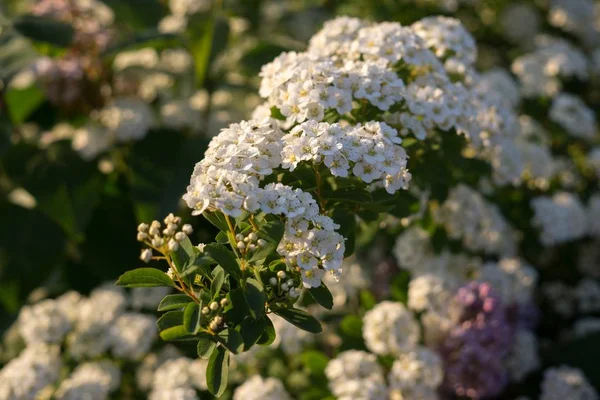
(539, 72)
(416, 374)
(565, 382)
(523, 357)
(93, 326)
(467, 215)
(513, 280)
(351, 64)
(561, 218)
(126, 118)
(389, 328)
(450, 41)
(36, 368)
(576, 17)
(91, 380)
(370, 151)
(574, 116)
(228, 178)
(355, 374)
(179, 378)
(257, 388)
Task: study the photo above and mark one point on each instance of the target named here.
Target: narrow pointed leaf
(299, 318)
(217, 371)
(145, 277)
(322, 295)
(174, 302)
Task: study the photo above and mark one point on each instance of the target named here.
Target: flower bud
(251, 247)
(179, 236)
(187, 229)
(214, 306)
(241, 245)
(252, 236)
(157, 241)
(173, 245)
(143, 228)
(290, 283)
(294, 293)
(205, 310)
(273, 281)
(281, 274)
(224, 302)
(201, 246)
(261, 242)
(146, 255)
(213, 325)
(284, 286)
(239, 237)
(218, 319)
(154, 231)
(141, 236)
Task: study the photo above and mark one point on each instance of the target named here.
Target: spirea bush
(403, 209)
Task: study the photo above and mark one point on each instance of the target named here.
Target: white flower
(523, 357)
(566, 383)
(417, 371)
(312, 277)
(561, 218)
(572, 114)
(257, 388)
(355, 374)
(389, 328)
(512, 279)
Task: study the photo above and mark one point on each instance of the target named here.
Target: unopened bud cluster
(213, 312)
(249, 242)
(284, 287)
(163, 238)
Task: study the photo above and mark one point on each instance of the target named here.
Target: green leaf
(140, 38)
(207, 35)
(347, 222)
(299, 318)
(315, 361)
(255, 297)
(137, 14)
(22, 102)
(269, 335)
(237, 309)
(351, 326)
(322, 296)
(216, 218)
(367, 300)
(206, 346)
(16, 53)
(251, 330)
(169, 320)
(145, 277)
(44, 29)
(217, 371)
(191, 318)
(271, 233)
(225, 258)
(174, 302)
(232, 340)
(185, 255)
(175, 333)
(217, 283)
(349, 195)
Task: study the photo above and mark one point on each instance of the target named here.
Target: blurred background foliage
(78, 229)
